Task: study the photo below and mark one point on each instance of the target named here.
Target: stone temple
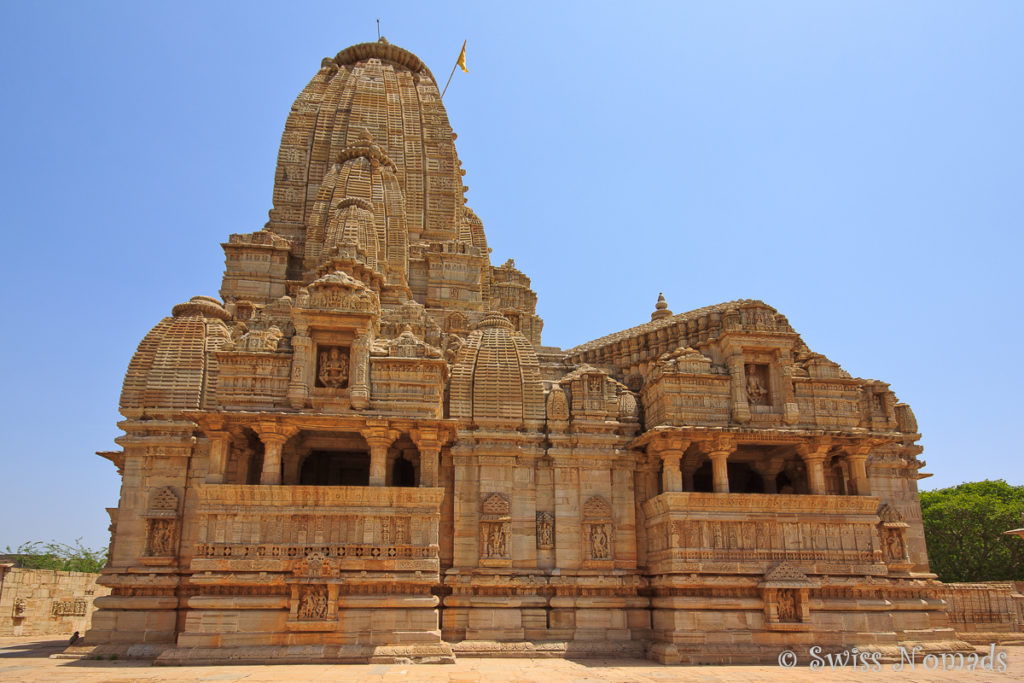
(362, 451)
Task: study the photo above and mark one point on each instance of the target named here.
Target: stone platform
(31, 659)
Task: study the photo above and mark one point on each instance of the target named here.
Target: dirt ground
(28, 659)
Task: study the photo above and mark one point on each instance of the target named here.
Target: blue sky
(856, 165)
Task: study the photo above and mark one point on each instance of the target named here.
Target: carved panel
(69, 608)
(164, 500)
(495, 540)
(161, 536)
(597, 508)
(757, 384)
(545, 530)
(332, 367)
(598, 543)
(312, 602)
(495, 504)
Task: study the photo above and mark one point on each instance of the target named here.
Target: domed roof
(496, 377)
(168, 371)
(389, 92)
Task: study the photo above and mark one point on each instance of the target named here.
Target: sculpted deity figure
(161, 537)
(894, 546)
(313, 603)
(756, 391)
(787, 606)
(599, 542)
(545, 532)
(333, 368)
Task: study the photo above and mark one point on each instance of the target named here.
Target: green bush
(964, 525)
(59, 556)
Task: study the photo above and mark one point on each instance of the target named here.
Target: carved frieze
(69, 608)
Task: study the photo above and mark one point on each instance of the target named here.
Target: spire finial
(661, 308)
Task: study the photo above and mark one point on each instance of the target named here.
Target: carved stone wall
(42, 602)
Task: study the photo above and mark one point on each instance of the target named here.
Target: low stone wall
(988, 612)
(42, 602)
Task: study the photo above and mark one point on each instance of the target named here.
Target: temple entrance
(336, 468)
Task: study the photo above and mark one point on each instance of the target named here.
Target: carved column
(302, 360)
(670, 448)
(738, 384)
(718, 450)
(273, 437)
(689, 469)
(429, 441)
(359, 372)
(769, 474)
(720, 470)
(220, 446)
(813, 455)
(379, 438)
(857, 456)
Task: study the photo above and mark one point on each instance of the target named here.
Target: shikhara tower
(362, 452)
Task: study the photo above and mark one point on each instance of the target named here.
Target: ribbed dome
(168, 371)
(389, 92)
(496, 377)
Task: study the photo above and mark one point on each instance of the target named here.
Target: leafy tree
(60, 556)
(964, 525)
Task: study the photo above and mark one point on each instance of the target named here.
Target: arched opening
(403, 463)
(244, 458)
(336, 468)
(703, 478)
(744, 479)
(403, 472)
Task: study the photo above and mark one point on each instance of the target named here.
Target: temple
(362, 452)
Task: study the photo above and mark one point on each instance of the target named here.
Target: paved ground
(27, 659)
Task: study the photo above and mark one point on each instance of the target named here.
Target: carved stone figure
(545, 530)
(599, 545)
(757, 392)
(333, 372)
(312, 602)
(787, 605)
(894, 544)
(162, 537)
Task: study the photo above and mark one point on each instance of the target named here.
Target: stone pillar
(273, 436)
(689, 469)
(220, 447)
(769, 474)
(379, 437)
(720, 470)
(813, 455)
(670, 448)
(429, 456)
(738, 384)
(718, 450)
(429, 441)
(359, 378)
(302, 369)
(858, 457)
(272, 445)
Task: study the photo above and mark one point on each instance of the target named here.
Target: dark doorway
(744, 479)
(703, 480)
(336, 468)
(403, 473)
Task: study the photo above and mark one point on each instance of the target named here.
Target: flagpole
(449, 79)
(453, 70)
